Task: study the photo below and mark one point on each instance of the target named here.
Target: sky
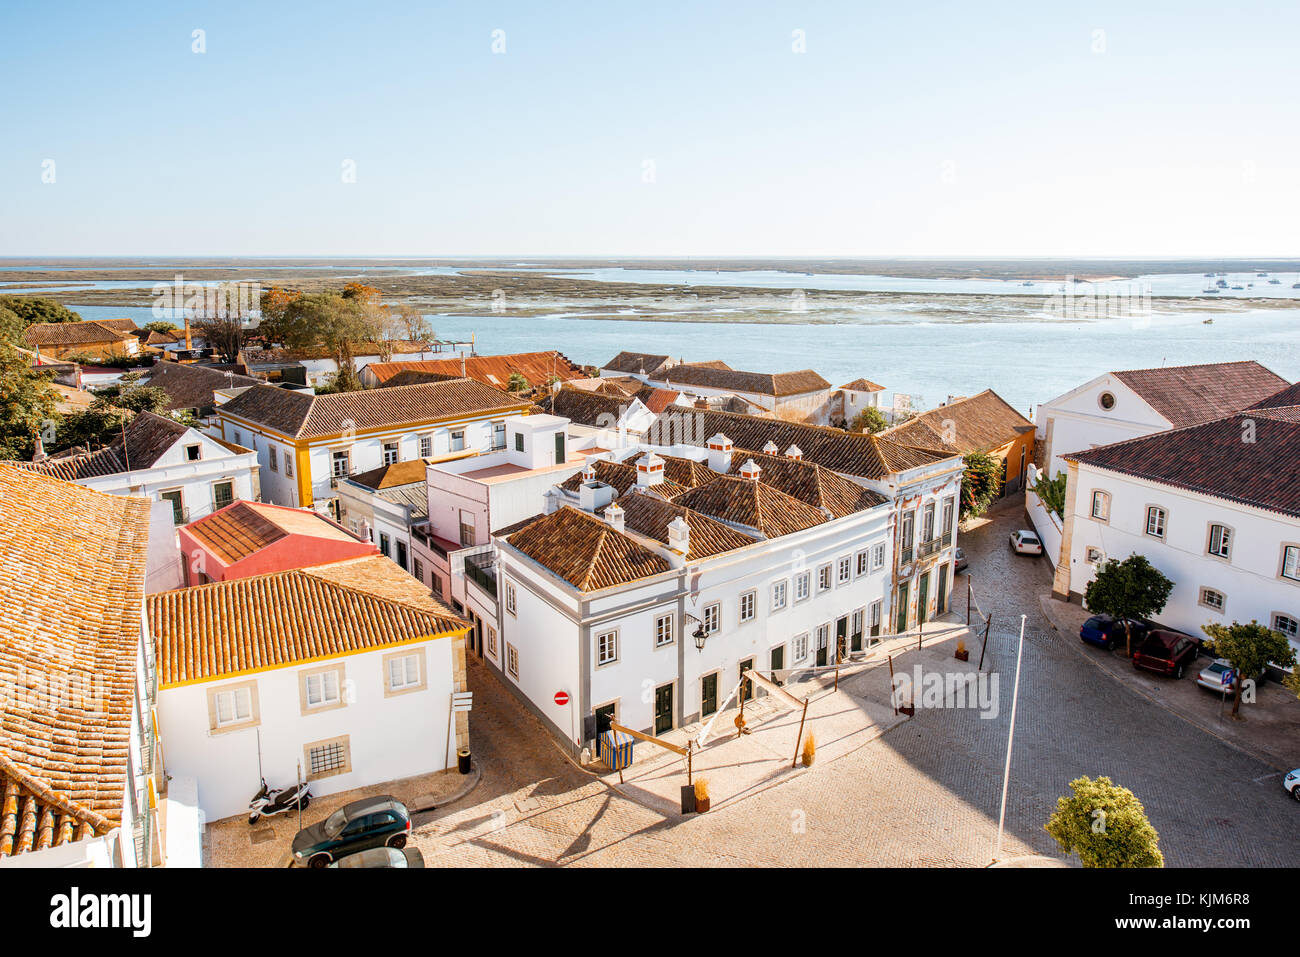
(802, 129)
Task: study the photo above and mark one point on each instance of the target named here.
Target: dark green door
(663, 709)
(559, 448)
(943, 590)
(746, 686)
(922, 593)
(855, 641)
(778, 662)
(822, 642)
(841, 638)
(708, 695)
(902, 607)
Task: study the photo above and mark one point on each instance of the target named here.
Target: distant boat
(1275, 282)
(1026, 283)
(1261, 275)
(1238, 288)
(1209, 275)
(1210, 290)
(1207, 322)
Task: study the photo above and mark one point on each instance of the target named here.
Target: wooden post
(893, 698)
(980, 666)
(690, 752)
(799, 740)
(920, 633)
(968, 597)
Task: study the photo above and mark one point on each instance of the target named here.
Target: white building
(308, 443)
(165, 461)
(1215, 507)
(344, 671)
(383, 505)
(1124, 405)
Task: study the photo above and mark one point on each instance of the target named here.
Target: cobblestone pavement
(924, 794)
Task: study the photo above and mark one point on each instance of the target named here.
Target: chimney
(679, 536)
(720, 453)
(771, 448)
(589, 473)
(794, 452)
(189, 343)
(701, 403)
(750, 470)
(649, 470)
(614, 518)
(38, 455)
(593, 496)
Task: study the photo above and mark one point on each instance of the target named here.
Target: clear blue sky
(904, 129)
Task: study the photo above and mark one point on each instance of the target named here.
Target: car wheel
(320, 860)
(1295, 793)
(1112, 644)
(398, 842)
(306, 801)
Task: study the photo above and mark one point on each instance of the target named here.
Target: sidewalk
(738, 766)
(1269, 729)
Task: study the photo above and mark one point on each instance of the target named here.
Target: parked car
(1291, 784)
(1166, 652)
(1025, 542)
(1107, 632)
(383, 857)
(371, 822)
(1211, 675)
(959, 565)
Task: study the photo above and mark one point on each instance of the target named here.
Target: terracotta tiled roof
(536, 367)
(389, 476)
(269, 621)
(302, 415)
(122, 325)
(87, 332)
(636, 363)
(753, 504)
(649, 516)
(809, 483)
(192, 386)
(72, 564)
(1285, 397)
(656, 400)
(242, 528)
(148, 437)
(261, 357)
(1212, 459)
(862, 385)
(621, 476)
(587, 408)
(761, 383)
(975, 424)
(680, 471)
(1189, 395)
(849, 453)
(585, 551)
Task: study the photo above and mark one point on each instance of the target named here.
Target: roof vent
(679, 536)
(770, 448)
(750, 470)
(794, 452)
(614, 517)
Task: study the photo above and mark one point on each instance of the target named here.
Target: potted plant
(809, 751)
(702, 794)
(961, 654)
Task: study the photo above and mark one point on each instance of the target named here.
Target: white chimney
(720, 453)
(794, 452)
(593, 496)
(770, 448)
(649, 470)
(750, 470)
(550, 501)
(679, 536)
(589, 473)
(614, 518)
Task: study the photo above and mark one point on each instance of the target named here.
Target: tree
(129, 394)
(224, 336)
(1249, 648)
(980, 483)
(516, 383)
(160, 325)
(1106, 825)
(275, 303)
(870, 420)
(1133, 588)
(27, 403)
(36, 309)
(12, 326)
(415, 327)
(1051, 492)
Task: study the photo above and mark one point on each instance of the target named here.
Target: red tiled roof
(87, 332)
(809, 483)
(862, 385)
(1189, 395)
(585, 551)
(974, 424)
(243, 528)
(536, 367)
(761, 383)
(649, 516)
(148, 437)
(753, 504)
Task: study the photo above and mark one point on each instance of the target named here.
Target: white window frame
(1292, 635)
(1099, 498)
(510, 597)
(751, 598)
(603, 648)
(825, 577)
(326, 700)
(780, 594)
(802, 583)
(426, 446)
(664, 625)
(861, 563)
(1205, 600)
(1286, 548)
(1226, 536)
(274, 456)
(799, 647)
(877, 556)
(711, 620)
(288, 464)
(1093, 555)
(512, 660)
(843, 570)
(233, 694)
(393, 449)
(407, 683)
(1161, 520)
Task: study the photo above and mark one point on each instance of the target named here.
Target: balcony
(478, 569)
(426, 538)
(905, 555)
(926, 549)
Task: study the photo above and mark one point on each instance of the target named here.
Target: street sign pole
(1011, 735)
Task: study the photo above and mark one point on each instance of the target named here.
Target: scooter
(268, 802)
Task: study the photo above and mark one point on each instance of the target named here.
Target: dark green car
(380, 821)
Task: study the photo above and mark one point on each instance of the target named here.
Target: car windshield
(1028, 539)
(1217, 667)
(334, 823)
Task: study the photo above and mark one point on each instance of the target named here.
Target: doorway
(746, 686)
(709, 695)
(604, 715)
(922, 595)
(902, 607)
(841, 638)
(823, 639)
(778, 663)
(943, 591)
(663, 708)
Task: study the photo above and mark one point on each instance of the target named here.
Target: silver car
(1211, 675)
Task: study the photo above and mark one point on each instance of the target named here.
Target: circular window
(1106, 400)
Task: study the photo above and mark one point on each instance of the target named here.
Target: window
(385, 543)
(1291, 562)
(663, 630)
(946, 530)
(288, 464)
(778, 594)
(1093, 555)
(231, 706)
(1287, 625)
(401, 554)
(325, 758)
(801, 646)
(1106, 400)
(1220, 541)
(275, 459)
(418, 570)
(878, 557)
(426, 446)
(458, 440)
(391, 454)
(1155, 521)
(519, 441)
(195, 452)
(873, 618)
(340, 463)
(178, 506)
(498, 436)
(860, 567)
(909, 521)
(927, 521)
(1101, 506)
(223, 493)
(404, 672)
(801, 586)
(844, 570)
(510, 597)
(239, 438)
(322, 688)
(824, 578)
(512, 660)
(1212, 599)
(607, 647)
(712, 618)
(466, 527)
(492, 641)
(747, 602)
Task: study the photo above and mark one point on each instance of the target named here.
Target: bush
(1106, 825)
(1051, 492)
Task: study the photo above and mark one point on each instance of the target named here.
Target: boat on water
(1026, 283)
(1210, 290)
(1207, 322)
(1238, 288)
(1275, 282)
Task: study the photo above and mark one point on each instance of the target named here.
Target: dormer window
(193, 453)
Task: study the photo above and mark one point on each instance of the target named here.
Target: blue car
(1107, 632)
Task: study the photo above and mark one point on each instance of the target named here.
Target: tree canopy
(1250, 648)
(870, 420)
(27, 404)
(1133, 588)
(980, 483)
(37, 309)
(1051, 492)
(1106, 825)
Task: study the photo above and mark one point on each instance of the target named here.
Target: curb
(473, 779)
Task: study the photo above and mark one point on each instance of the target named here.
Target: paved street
(924, 794)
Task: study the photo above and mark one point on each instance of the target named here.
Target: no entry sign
(561, 698)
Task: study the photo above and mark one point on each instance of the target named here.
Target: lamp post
(1011, 734)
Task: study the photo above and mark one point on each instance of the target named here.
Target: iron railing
(481, 574)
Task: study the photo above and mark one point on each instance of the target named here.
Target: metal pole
(1011, 734)
(795, 763)
(984, 647)
(893, 698)
(968, 591)
(300, 794)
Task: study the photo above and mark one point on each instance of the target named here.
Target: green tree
(36, 309)
(1249, 648)
(980, 483)
(1133, 588)
(129, 394)
(870, 420)
(27, 402)
(1106, 825)
(160, 325)
(12, 326)
(516, 383)
(1051, 492)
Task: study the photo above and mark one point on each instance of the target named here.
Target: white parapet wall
(1046, 524)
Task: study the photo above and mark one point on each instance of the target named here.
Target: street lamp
(699, 637)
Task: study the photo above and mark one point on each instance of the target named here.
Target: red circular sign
(561, 698)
